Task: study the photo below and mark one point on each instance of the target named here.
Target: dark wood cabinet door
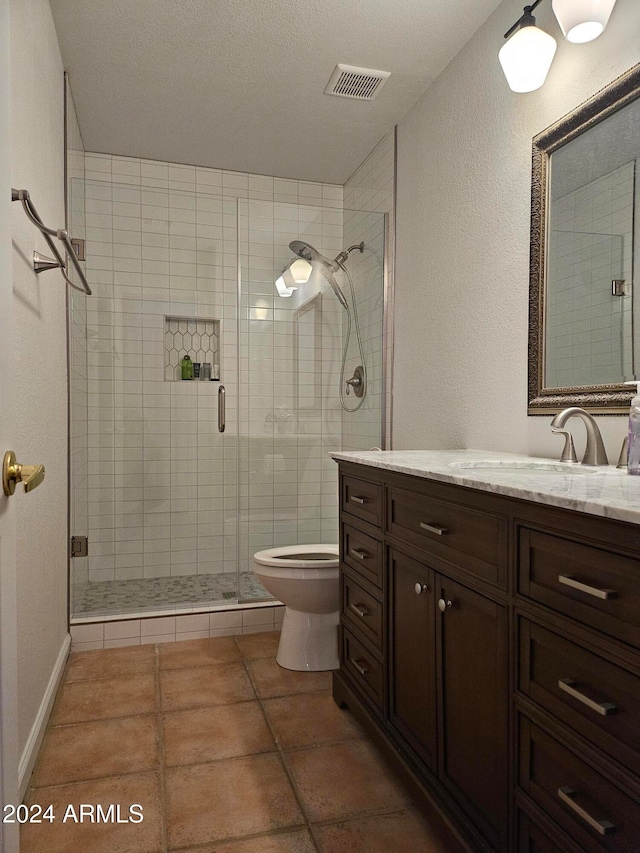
(412, 654)
(473, 679)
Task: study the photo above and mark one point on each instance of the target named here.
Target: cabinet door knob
(420, 588)
(444, 605)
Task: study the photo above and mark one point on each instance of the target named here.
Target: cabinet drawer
(475, 539)
(362, 668)
(361, 611)
(363, 554)
(362, 499)
(594, 586)
(591, 695)
(532, 839)
(594, 812)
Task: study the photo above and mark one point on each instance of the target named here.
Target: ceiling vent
(364, 84)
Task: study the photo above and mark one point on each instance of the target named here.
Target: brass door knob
(12, 473)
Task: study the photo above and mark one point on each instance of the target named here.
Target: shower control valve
(356, 382)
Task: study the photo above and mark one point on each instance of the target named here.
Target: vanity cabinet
(491, 646)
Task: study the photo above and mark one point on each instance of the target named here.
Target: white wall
(39, 355)
(9, 838)
(463, 207)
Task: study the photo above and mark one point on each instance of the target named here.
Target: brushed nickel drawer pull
(359, 553)
(361, 669)
(434, 528)
(360, 610)
(601, 826)
(604, 708)
(420, 588)
(604, 594)
(357, 500)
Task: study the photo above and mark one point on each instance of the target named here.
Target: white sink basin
(525, 466)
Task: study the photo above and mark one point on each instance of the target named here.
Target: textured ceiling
(239, 84)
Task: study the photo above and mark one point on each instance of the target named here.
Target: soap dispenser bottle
(633, 448)
(187, 367)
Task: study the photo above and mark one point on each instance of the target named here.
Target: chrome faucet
(594, 453)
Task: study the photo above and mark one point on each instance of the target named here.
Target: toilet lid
(300, 556)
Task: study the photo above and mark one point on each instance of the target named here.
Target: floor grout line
(280, 753)
(310, 827)
(161, 757)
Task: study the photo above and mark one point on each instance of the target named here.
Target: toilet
(305, 579)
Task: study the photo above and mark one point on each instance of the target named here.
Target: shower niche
(195, 337)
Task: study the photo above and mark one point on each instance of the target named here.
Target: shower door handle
(221, 408)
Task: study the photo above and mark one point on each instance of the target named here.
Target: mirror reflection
(591, 337)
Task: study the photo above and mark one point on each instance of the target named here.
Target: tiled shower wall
(162, 240)
(591, 241)
(368, 196)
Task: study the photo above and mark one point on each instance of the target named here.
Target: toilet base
(309, 641)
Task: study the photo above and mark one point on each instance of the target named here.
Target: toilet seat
(300, 557)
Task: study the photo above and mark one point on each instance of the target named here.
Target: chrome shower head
(304, 250)
(325, 266)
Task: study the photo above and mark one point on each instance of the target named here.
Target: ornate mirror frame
(604, 399)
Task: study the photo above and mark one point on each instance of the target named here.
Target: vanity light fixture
(527, 55)
(582, 20)
(300, 271)
(295, 273)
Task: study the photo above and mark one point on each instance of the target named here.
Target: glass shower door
(161, 478)
(78, 403)
(291, 349)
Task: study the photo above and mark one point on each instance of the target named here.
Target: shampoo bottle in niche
(633, 452)
(187, 367)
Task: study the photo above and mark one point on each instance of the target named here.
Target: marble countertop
(607, 492)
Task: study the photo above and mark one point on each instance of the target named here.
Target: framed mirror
(584, 316)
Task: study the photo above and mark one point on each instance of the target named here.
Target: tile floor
(224, 750)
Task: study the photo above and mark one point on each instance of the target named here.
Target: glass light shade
(301, 271)
(582, 20)
(281, 287)
(526, 58)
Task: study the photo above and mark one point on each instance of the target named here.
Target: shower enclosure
(181, 261)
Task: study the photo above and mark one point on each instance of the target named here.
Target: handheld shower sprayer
(327, 269)
(326, 266)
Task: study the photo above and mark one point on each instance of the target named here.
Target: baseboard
(30, 752)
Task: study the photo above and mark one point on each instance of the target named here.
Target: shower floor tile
(100, 598)
(216, 769)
